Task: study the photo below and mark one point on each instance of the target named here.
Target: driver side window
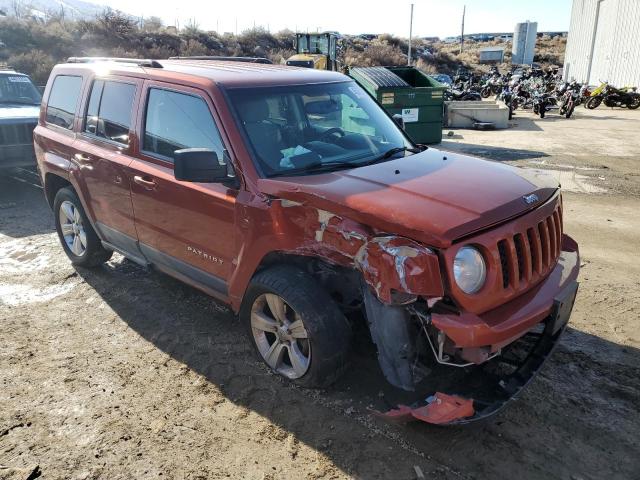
(175, 121)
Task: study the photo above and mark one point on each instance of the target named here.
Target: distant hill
(42, 9)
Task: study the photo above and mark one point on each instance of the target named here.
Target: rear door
(103, 154)
(186, 228)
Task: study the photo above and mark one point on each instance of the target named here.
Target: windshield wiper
(341, 164)
(317, 167)
(390, 153)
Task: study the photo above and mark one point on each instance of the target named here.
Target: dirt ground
(121, 373)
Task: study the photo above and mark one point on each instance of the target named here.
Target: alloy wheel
(280, 336)
(72, 228)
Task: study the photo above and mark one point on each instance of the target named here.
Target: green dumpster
(408, 92)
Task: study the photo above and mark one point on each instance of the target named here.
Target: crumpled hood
(434, 197)
(9, 113)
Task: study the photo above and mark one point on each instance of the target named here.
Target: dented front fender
(393, 264)
(389, 264)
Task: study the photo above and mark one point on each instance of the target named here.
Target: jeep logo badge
(530, 199)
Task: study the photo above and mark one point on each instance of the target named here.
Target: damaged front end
(481, 361)
(462, 357)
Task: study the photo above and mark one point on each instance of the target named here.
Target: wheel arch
(53, 183)
(341, 282)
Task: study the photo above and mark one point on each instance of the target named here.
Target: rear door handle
(148, 184)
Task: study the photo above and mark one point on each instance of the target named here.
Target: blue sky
(431, 18)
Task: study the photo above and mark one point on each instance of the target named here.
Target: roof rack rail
(226, 59)
(141, 62)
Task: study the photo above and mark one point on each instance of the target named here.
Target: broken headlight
(469, 269)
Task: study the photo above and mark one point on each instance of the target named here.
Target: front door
(185, 228)
(103, 156)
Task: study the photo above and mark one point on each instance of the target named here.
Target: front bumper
(505, 324)
(496, 390)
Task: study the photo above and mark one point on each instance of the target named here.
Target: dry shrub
(37, 64)
(280, 56)
(194, 48)
(377, 53)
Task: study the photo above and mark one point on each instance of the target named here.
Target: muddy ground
(121, 373)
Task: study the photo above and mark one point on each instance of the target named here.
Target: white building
(604, 42)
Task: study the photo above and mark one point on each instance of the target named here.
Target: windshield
(18, 89)
(313, 44)
(331, 124)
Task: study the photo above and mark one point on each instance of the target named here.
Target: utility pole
(410, 35)
(464, 9)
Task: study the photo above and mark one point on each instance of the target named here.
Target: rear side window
(175, 121)
(61, 106)
(109, 110)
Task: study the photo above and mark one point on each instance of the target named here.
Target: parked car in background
(19, 111)
(291, 195)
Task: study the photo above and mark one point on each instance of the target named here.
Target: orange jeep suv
(289, 194)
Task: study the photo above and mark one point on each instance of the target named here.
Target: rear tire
(275, 302)
(78, 238)
(635, 103)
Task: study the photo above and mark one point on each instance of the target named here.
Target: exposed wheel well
(53, 183)
(342, 283)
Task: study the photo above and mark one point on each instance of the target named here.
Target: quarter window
(175, 121)
(61, 106)
(109, 110)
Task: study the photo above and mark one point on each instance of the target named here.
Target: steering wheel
(331, 131)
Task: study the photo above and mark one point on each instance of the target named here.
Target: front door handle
(82, 158)
(147, 183)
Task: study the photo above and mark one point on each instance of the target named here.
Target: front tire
(569, 111)
(295, 327)
(77, 236)
(593, 102)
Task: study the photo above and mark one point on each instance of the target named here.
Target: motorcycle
(462, 92)
(585, 93)
(614, 97)
(571, 94)
(507, 96)
(492, 86)
(452, 94)
(542, 103)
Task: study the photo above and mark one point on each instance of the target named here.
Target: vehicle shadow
(582, 393)
(25, 210)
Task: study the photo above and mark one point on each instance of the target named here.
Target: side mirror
(399, 120)
(199, 165)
